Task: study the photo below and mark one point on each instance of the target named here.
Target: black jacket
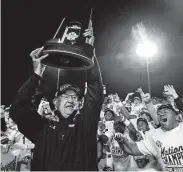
(69, 144)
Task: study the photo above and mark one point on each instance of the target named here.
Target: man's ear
(55, 101)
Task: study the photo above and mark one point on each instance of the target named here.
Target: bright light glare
(146, 49)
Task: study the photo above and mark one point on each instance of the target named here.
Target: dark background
(26, 25)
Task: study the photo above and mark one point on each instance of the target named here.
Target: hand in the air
(36, 59)
(130, 94)
(169, 90)
(140, 91)
(89, 34)
(119, 137)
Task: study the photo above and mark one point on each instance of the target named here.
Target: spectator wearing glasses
(70, 143)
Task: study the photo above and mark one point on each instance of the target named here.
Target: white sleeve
(148, 147)
(101, 114)
(99, 132)
(18, 138)
(151, 127)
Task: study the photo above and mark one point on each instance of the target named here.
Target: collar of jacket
(59, 115)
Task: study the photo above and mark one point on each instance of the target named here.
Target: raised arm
(127, 97)
(150, 107)
(125, 117)
(29, 122)
(128, 147)
(90, 115)
(123, 110)
(140, 91)
(171, 91)
(93, 98)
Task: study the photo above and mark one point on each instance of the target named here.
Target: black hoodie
(69, 144)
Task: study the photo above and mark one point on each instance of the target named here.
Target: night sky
(26, 25)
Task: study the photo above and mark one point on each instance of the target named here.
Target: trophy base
(69, 57)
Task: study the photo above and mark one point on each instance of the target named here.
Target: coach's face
(66, 103)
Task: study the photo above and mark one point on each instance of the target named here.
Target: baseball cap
(142, 119)
(107, 169)
(136, 97)
(109, 110)
(166, 106)
(144, 112)
(66, 87)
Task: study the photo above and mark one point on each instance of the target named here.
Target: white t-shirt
(135, 112)
(166, 146)
(121, 160)
(109, 126)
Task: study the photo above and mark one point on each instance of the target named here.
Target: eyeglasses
(67, 97)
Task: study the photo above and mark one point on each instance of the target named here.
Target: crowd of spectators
(135, 119)
(16, 150)
(135, 123)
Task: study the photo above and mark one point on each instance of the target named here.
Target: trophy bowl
(70, 50)
(69, 57)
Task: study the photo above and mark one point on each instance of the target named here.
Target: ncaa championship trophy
(70, 49)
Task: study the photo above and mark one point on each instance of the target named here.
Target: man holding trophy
(67, 144)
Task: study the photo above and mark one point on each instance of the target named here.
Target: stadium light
(146, 49)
